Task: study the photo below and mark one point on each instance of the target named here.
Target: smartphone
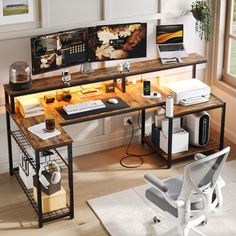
(146, 88)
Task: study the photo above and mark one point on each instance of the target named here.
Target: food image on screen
(166, 34)
(58, 50)
(114, 42)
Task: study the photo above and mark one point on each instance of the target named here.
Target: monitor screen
(113, 42)
(166, 34)
(58, 50)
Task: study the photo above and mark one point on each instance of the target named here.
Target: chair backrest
(200, 177)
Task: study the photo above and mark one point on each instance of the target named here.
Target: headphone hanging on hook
(55, 178)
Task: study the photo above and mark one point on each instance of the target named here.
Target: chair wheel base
(156, 220)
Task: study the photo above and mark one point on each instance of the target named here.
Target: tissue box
(176, 125)
(180, 141)
(53, 202)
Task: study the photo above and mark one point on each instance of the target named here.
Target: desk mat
(109, 107)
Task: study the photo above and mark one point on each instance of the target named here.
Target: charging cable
(128, 154)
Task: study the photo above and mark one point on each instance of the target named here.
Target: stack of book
(29, 107)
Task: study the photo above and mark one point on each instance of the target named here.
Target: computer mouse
(112, 100)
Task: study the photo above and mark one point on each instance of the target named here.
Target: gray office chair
(188, 199)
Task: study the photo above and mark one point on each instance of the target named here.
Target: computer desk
(131, 94)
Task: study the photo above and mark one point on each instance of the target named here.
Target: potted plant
(202, 12)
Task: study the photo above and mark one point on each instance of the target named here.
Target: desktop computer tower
(198, 126)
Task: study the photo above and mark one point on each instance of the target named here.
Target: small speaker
(146, 88)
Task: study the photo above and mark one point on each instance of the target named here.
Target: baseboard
(4, 167)
(228, 133)
(114, 140)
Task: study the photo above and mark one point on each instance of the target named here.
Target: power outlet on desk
(126, 119)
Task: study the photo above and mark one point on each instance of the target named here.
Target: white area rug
(128, 213)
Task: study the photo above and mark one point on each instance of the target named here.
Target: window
(229, 74)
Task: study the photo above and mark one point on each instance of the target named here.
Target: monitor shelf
(104, 74)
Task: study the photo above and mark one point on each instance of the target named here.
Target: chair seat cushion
(174, 186)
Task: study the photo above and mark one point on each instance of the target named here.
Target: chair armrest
(163, 190)
(153, 180)
(199, 156)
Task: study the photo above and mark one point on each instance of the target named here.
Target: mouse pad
(109, 107)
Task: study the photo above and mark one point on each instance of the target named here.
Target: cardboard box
(53, 202)
(180, 141)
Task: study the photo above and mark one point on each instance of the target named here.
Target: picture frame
(16, 11)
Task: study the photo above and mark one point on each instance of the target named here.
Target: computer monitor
(114, 42)
(58, 50)
(169, 34)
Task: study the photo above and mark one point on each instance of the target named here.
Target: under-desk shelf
(212, 145)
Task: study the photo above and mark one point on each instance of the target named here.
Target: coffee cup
(50, 125)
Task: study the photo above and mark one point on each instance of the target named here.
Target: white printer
(188, 92)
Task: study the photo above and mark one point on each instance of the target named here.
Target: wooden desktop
(131, 94)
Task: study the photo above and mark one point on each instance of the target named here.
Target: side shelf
(23, 144)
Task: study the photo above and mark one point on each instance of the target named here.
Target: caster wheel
(156, 220)
(204, 222)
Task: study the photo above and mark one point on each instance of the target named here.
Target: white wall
(109, 132)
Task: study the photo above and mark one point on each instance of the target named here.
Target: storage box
(26, 172)
(175, 128)
(180, 141)
(155, 135)
(53, 202)
(52, 188)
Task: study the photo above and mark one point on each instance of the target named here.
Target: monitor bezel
(91, 60)
(61, 67)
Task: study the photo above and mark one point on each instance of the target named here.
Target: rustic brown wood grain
(133, 97)
(213, 103)
(37, 143)
(104, 74)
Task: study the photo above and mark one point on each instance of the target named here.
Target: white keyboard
(83, 107)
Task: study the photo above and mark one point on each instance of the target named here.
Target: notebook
(39, 130)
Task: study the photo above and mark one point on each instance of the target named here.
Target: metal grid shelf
(24, 145)
(60, 213)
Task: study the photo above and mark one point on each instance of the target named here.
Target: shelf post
(194, 71)
(222, 127)
(70, 179)
(143, 126)
(39, 196)
(9, 143)
(170, 142)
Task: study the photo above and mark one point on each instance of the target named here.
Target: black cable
(138, 156)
